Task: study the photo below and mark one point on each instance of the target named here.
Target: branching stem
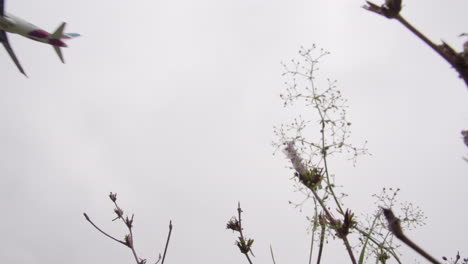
(239, 211)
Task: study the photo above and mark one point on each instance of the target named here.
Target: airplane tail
(56, 40)
(70, 35)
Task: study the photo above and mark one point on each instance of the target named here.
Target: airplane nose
(57, 42)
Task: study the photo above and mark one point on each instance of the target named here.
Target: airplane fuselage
(14, 24)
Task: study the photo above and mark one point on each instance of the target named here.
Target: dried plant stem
(272, 256)
(445, 51)
(419, 35)
(415, 247)
(395, 228)
(349, 249)
(322, 240)
(167, 242)
(239, 211)
(128, 224)
(129, 238)
(132, 245)
(104, 233)
(314, 229)
(329, 185)
(333, 222)
(311, 246)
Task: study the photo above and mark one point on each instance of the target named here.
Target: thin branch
(333, 223)
(314, 229)
(239, 211)
(129, 239)
(391, 10)
(395, 228)
(322, 240)
(272, 256)
(167, 242)
(419, 35)
(362, 255)
(323, 146)
(159, 259)
(312, 244)
(104, 233)
(128, 223)
(129, 226)
(349, 249)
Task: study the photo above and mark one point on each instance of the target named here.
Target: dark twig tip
(391, 8)
(393, 223)
(113, 197)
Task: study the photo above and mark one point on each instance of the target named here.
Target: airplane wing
(4, 40)
(1, 7)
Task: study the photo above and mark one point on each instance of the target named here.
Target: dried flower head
(465, 132)
(113, 196)
(119, 212)
(245, 247)
(343, 228)
(233, 224)
(312, 178)
(128, 241)
(129, 222)
(296, 160)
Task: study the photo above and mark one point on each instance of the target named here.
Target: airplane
(12, 24)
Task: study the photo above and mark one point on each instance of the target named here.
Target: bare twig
(244, 244)
(129, 240)
(395, 228)
(391, 10)
(104, 233)
(129, 223)
(272, 256)
(167, 242)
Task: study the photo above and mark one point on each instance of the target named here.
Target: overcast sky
(172, 104)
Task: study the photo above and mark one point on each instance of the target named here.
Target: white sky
(171, 104)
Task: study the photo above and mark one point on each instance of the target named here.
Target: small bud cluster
(391, 8)
(465, 137)
(233, 224)
(128, 221)
(342, 228)
(244, 244)
(457, 258)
